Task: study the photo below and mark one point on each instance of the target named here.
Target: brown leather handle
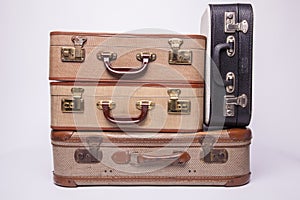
(143, 105)
(144, 57)
(125, 157)
(125, 120)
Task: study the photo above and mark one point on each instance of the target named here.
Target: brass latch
(90, 154)
(209, 154)
(230, 101)
(230, 25)
(176, 106)
(216, 156)
(73, 105)
(179, 56)
(76, 53)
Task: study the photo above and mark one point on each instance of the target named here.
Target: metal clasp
(231, 26)
(231, 101)
(178, 56)
(209, 154)
(73, 105)
(176, 106)
(92, 153)
(76, 53)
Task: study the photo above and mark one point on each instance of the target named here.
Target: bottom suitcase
(117, 158)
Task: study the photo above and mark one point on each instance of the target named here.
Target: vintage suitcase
(77, 56)
(116, 158)
(228, 71)
(154, 107)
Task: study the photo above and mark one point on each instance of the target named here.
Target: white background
(25, 150)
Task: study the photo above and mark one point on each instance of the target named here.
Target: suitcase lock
(76, 53)
(90, 154)
(73, 105)
(176, 106)
(179, 56)
(230, 26)
(230, 101)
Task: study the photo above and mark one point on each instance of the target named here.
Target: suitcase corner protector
(63, 181)
(238, 181)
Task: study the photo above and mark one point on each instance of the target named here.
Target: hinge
(176, 106)
(231, 101)
(76, 53)
(91, 154)
(73, 105)
(231, 26)
(179, 56)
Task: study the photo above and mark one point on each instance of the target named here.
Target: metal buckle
(230, 26)
(73, 105)
(76, 53)
(176, 106)
(231, 101)
(178, 56)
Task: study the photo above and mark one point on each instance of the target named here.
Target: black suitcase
(228, 71)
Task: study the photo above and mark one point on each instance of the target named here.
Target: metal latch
(231, 26)
(216, 156)
(209, 154)
(73, 105)
(76, 53)
(231, 101)
(176, 106)
(92, 154)
(179, 56)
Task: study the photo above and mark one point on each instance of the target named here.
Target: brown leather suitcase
(118, 158)
(128, 106)
(77, 56)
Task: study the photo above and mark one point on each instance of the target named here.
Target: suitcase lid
(191, 41)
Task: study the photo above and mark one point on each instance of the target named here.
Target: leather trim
(61, 135)
(115, 129)
(146, 84)
(150, 180)
(235, 135)
(193, 36)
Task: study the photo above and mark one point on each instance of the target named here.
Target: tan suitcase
(128, 106)
(130, 57)
(116, 158)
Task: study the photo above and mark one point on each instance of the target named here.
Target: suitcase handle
(216, 59)
(145, 58)
(136, 158)
(143, 105)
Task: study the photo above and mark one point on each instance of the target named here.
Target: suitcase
(228, 71)
(77, 56)
(117, 158)
(127, 106)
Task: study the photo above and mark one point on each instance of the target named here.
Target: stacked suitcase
(134, 109)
